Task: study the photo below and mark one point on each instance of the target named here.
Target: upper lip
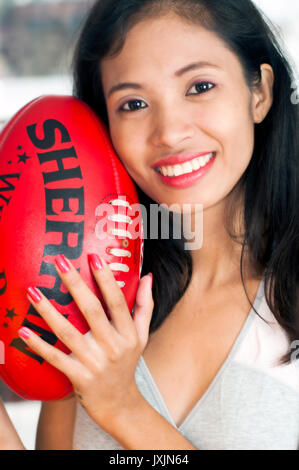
(179, 159)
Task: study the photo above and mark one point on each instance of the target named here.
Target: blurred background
(37, 39)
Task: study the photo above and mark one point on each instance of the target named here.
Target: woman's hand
(103, 361)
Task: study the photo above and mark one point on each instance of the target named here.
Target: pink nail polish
(24, 333)
(95, 261)
(34, 294)
(62, 264)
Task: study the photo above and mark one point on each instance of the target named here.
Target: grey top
(252, 403)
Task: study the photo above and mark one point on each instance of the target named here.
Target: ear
(262, 96)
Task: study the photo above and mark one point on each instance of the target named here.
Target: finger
(52, 355)
(143, 311)
(63, 329)
(113, 296)
(87, 302)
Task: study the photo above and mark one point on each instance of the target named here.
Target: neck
(217, 262)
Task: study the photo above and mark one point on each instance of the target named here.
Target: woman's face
(175, 89)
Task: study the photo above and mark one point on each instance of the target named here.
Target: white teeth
(187, 167)
(170, 171)
(196, 164)
(178, 170)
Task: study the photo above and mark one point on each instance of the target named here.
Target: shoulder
(264, 345)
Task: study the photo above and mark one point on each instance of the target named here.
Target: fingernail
(62, 264)
(95, 261)
(24, 333)
(151, 277)
(34, 294)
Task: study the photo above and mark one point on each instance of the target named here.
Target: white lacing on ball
(120, 252)
(119, 202)
(120, 218)
(122, 233)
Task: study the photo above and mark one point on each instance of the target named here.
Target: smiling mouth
(191, 166)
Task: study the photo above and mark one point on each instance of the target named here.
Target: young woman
(208, 361)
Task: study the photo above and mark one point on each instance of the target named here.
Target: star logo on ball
(11, 313)
(23, 158)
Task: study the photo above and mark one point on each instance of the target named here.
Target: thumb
(144, 306)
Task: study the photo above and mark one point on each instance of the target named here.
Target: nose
(172, 128)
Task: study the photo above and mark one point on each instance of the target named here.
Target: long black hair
(269, 186)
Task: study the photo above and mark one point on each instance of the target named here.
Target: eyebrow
(178, 73)
(196, 65)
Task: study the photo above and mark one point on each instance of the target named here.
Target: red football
(63, 190)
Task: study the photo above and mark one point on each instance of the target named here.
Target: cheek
(242, 140)
(119, 140)
(126, 148)
(233, 127)
(233, 130)
(129, 141)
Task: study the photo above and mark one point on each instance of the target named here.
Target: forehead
(167, 44)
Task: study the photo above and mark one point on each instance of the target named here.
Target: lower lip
(189, 179)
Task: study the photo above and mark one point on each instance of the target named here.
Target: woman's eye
(201, 87)
(132, 105)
